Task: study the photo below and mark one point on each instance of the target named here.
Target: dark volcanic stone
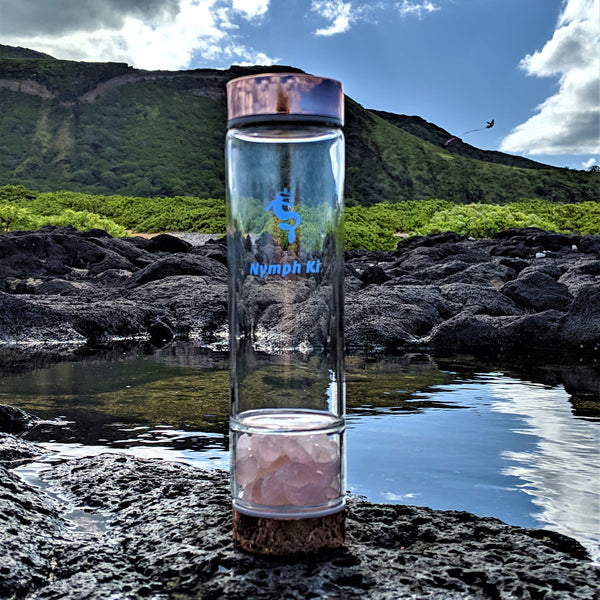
(111, 262)
(95, 233)
(214, 249)
(72, 319)
(180, 265)
(61, 287)
(15, 451)
(374, 275)
(167, 243)
(15, 420)
(484, 274)
(32, 531)
(539, 330)
(442, 291)
(163, 530)
(195, 306)
(477, 299)
(388, 317)
(48, 251)
(466, 332)
(583, 319)
(22, 320)
(538, 291)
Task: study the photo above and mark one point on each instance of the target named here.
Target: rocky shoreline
(115, 526)
(519, 291)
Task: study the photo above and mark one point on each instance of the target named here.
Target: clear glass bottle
(285, 176)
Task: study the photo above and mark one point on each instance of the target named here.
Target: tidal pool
(520, 442)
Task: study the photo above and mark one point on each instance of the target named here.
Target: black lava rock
(441, 292)
(122, 527)
(15, 420)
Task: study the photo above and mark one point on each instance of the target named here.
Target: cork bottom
(283, 537)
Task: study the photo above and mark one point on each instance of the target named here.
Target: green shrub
(367, 230)
(372, 228)
(83, 220)
(483, 220)
(13, 217)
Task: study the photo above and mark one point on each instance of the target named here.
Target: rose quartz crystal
(277, 470)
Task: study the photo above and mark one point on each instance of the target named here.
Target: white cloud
(37, 17)
(167, 41)
(417, 9)
(558, 470)
(339, 13)
(569, 121)
(251, 8)
(392, 497)
(588, 164)
(342, 15)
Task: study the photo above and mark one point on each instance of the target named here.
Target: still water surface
(449, 434)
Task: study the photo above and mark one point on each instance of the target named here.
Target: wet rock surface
(517, 291)
(115, 526)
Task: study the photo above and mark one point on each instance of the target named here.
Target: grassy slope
(147, 139)
(165, 138)
(18, 52)
(393, 163)
(438, 137)
(138, 139)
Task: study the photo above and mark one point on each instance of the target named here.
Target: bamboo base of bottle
(285, 537)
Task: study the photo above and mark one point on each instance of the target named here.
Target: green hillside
(106, 128)
(18, 52)
(438, 137)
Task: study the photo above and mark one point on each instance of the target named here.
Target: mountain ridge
(434, 134)
(19, 52)
(112, 129)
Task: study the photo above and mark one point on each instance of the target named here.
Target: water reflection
(561, 472)
(493, 439)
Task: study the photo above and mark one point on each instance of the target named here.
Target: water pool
(520, 443)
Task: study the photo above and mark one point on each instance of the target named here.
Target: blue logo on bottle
(282, 208)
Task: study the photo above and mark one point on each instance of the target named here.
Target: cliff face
(111, 129)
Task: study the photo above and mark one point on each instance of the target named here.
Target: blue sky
(532, 65)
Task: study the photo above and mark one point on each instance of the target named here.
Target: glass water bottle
(285, 177)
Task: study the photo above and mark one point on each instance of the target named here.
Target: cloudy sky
(532, 65)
